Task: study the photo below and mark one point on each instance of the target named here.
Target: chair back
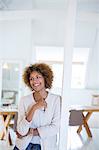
(75, 118)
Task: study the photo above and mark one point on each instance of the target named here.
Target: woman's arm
(41, 103)
(47, 130)
(25, 118)
(53, 127)
(22, 124)
(32, 131)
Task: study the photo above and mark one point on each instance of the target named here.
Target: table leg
(2, 133)
(85, 119)
(79, 129)
(87, 128)
(6, 124)
(9, 139)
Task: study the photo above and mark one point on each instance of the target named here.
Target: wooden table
(6, 115)
(87, 112)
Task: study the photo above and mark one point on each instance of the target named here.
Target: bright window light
(78, 75)
(54, 57)
(49, 53)
(79, 64)
(58, 74)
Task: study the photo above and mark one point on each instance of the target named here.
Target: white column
(68, 45)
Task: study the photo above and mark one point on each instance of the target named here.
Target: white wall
(15, 40)
(49, 31)
(85, 34)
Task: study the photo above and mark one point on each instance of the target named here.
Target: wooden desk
(8, 113)
(89, 110)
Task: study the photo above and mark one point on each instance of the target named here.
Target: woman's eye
(31, 79)
(38, 77)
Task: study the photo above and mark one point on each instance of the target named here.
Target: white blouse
(47, 122)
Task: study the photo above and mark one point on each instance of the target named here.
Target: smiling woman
(37, 128)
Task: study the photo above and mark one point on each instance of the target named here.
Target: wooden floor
(75, 141)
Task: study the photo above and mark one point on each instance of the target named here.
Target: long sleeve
(22, 124)
(52, 128)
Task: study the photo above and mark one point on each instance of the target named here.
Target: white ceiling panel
(90, 5)
(32, 4)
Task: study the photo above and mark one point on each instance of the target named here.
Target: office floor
(4, 144)
(75, 141)
(82, 142)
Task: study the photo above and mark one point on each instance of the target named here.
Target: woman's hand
(32, 131)
(40, 102)
(21, 136)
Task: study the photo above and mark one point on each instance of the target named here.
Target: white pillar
(68, 46)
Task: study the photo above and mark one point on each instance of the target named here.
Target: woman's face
(37, 81)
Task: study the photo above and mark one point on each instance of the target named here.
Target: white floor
(75, 141)
(82, 142)
(4, 144)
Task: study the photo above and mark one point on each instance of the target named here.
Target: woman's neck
(43, 93)
(40, 94)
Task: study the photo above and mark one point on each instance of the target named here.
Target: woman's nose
(35, 80)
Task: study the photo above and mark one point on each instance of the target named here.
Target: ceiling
(49, 28)
(87, 5)
(31, 4)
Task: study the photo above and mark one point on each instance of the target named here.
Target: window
(78, 73)
(79, 64)
(54, 57)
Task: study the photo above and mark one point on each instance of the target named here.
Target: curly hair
(41, 68)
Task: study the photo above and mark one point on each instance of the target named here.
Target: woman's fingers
(19, 135)
(31, 131)
(41, 104)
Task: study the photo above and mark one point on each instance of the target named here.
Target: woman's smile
(36, 84)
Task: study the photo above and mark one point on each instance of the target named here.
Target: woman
(38, 113)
